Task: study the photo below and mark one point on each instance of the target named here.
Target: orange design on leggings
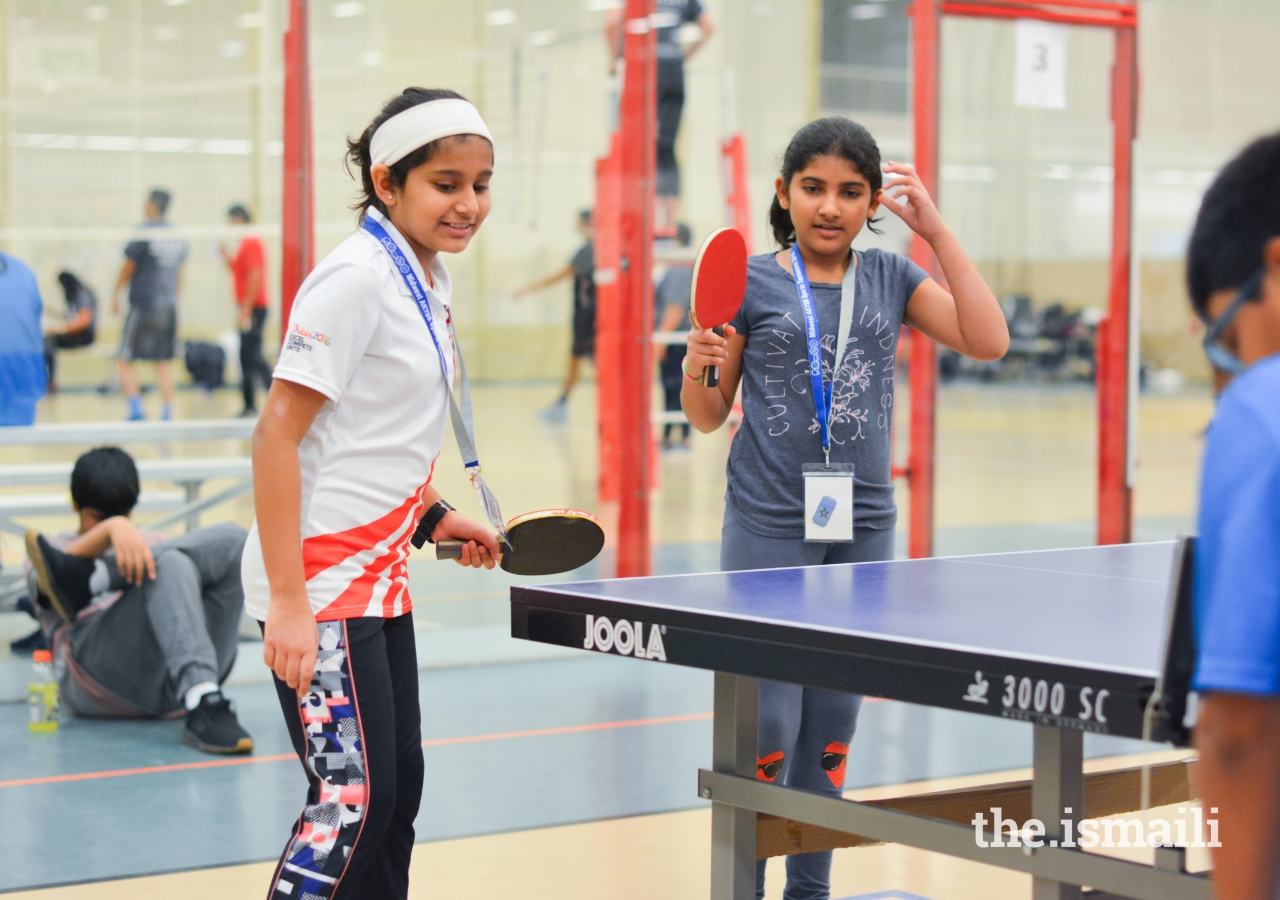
(769, 767)
(833, 760)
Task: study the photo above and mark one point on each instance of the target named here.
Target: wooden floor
(637, 858)
(1008, 457)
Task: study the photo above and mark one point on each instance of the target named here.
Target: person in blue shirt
(22, 375)
(1233, 275)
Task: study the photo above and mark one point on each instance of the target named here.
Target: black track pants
(359, 736)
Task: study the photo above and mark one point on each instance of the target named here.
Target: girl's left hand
(481, 547)
(918, 211)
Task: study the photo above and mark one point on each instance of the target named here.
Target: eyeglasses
(1219, 356)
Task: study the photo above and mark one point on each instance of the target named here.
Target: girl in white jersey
(342, 457)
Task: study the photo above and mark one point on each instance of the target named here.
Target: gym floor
(553, 775)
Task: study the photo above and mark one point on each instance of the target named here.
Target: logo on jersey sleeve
(302, 340)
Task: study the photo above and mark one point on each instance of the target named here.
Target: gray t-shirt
(156, 261)
(780, 432)
(667, 19)
(672, 289)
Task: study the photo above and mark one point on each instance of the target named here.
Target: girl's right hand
(706, 348)
(291, 641)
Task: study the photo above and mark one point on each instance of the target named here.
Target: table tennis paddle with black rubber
(719, 282)
(546, 542)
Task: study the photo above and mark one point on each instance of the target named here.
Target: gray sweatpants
(140, 655)
(804, 732)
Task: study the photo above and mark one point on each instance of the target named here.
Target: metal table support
(1057, 872)
(733, 828)
(1057, 796)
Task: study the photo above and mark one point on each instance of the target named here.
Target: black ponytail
(358, 148)
(832, 136)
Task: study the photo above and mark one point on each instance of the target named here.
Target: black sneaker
(29, 644)
(212, 727)
(63, 579)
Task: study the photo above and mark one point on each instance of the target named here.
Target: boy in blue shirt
(22, 374)
(1233, 274)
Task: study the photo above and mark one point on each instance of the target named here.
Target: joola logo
(625, 638)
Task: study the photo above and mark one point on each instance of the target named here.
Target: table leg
(733, 830)
(1057, 794)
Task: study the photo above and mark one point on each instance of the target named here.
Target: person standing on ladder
(667, 21)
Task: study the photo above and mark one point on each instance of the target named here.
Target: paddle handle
(711, 374)
(453, 549)
(449, 549)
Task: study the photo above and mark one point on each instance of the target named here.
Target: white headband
(419, 125)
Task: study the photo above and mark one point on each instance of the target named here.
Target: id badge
(828, 502)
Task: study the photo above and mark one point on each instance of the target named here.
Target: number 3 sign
(1040, 67)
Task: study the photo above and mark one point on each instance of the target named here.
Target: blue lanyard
(821, 395)
(411, 281)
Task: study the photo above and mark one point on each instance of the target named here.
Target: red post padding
(608, 252)
(297, 213)
(638, 126)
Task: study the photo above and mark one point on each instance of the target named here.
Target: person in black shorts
(581, 269)
(152, 271)
(670, 16)
(671, 313)
(78, 327)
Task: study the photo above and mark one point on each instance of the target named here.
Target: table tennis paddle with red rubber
(546, 542)
(719, 282)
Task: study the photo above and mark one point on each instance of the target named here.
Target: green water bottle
(42, 694)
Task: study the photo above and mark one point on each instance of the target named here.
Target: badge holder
(828, 502)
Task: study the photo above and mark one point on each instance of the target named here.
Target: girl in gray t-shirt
(829, 188)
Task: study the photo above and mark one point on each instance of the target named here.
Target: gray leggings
(804, 732)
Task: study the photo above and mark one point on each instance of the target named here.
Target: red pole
(1115, 487)
(637, 124)
(925, 41)
(297, 214)
(733, 163)
(604, 220)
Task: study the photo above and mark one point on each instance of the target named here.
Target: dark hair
(71, 285)
(684, 235)
(358, 149)
(239, 211)
(105, 480)
(159, 198)
(584, 216)
(832, 136)
(1240, 213)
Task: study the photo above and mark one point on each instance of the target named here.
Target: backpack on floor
(206, 364)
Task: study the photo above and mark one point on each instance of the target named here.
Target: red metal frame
(297, 213)
(638, 160)
(1115, 488)
(926, 41)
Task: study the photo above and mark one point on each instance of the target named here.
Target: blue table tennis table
(1095, 639)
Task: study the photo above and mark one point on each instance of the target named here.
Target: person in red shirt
(248, 267)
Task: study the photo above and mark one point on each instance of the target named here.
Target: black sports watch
(427, 524)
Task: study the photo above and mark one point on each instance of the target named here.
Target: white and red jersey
(356, 336)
